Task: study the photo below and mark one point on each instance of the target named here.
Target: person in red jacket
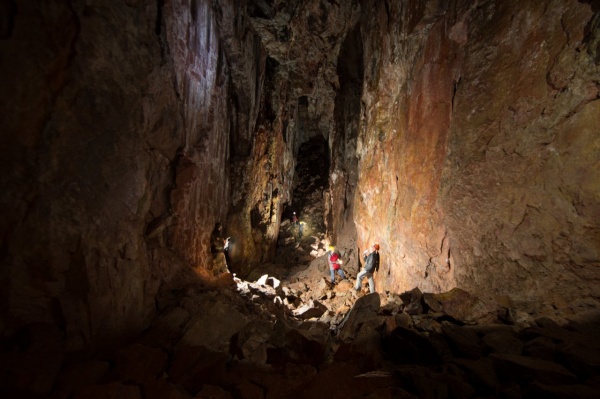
(335, 261)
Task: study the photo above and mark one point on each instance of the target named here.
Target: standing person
(371, 260)
(295, 223)
(218, 248)
(216, 239)
(335, 261)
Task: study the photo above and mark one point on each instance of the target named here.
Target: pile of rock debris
(240, 339)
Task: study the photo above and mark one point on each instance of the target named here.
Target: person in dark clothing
(218, 248)
(371, 260)
(218, 244)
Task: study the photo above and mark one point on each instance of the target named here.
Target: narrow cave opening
(301, 242)
(311, 180)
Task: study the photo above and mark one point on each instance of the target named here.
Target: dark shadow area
(302, 229)
(310, 181)
(253, 340)
(311, 177)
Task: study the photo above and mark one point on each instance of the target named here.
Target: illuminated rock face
(478, 157)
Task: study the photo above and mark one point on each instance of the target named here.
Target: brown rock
(541, 347)
(434, 305)
(480, 374)
(161, 389)
(580, 358)
(413, 301)
(398, 320)
(502, 341)
(465, 307)
(138, 363)
(575, 391)
(523, 369)
(253, 340)
(113, 390)
(456, 136)
(224, 321)
(213, 392)
(346, 384)
(304, 350)
(464, 342)
(364, 309)
(80, 374)
(425, 382)
(31, 360)
(427, 324)
(314, 309)
(405, 346)
(196, 366)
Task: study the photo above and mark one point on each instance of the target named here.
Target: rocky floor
(237, 339)
(289, 333)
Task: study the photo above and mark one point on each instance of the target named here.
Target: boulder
(524, 369)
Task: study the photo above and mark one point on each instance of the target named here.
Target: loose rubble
(262, 339)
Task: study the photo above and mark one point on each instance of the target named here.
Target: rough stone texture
(462, 137)
(302, 41)
(478, 148)
(116, 147)
(73, 221)
(200, 196)
(235, 340)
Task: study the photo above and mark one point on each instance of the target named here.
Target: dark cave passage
(300, 243)
(311, 180)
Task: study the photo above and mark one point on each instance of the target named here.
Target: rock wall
(478, 151)
(343, 174)
(462, 137)
(116, 120)
(201, 188)
(302, 40)
(262, 180)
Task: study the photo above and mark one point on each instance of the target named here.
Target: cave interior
(460, 136)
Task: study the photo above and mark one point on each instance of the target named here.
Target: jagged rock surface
(232, 338)
(462, 136)
(477, 148)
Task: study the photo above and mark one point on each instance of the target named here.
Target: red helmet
(376, 246)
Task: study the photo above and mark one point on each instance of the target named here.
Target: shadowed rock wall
(262, 179)
(343, 173)
(479, 148)
(115, 150)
